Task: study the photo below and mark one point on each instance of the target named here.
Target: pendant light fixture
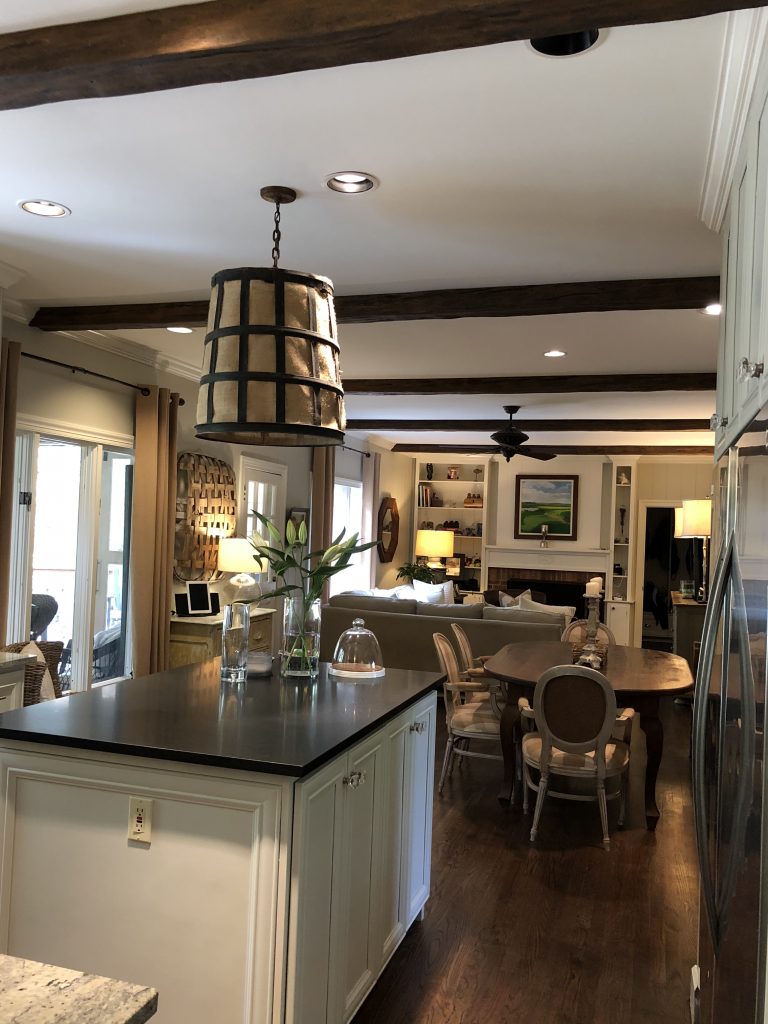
(271, 364)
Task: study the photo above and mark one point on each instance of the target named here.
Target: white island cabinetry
(260, 899)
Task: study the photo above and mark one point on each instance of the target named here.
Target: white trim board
(743, 47)
(73, 431)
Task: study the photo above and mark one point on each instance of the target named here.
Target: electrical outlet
(140, 820)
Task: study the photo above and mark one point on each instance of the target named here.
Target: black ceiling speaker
(566, 45)
(511, 439)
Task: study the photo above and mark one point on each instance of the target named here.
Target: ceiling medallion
(271, 362)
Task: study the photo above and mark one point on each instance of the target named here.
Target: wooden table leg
(650, 723)
(509, 730)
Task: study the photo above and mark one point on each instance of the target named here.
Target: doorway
(666, 563)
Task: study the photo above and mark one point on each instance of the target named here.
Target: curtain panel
(152, 529)
(10, 353)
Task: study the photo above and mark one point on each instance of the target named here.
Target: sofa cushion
(450, 611)
(524, 615)
(378, 604)
(534, 606)
(434, 593)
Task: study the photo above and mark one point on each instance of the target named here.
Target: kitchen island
(283, 849)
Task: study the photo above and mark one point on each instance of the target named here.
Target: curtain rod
(90, 373)
(349, 448)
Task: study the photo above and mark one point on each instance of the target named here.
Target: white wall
(674, 479)
(589, 470)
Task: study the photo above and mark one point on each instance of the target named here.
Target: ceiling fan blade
(541, 456)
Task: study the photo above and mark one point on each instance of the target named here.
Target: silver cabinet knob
(418, 726)
(749, 371)
(355, 780)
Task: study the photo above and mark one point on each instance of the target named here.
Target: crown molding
(745, 38)
(13, 309)
(9, 276)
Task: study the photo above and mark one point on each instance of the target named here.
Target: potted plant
(413, 571)
(301, 575)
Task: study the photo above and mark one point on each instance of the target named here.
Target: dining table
(639, 677)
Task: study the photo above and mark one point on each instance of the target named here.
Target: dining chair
(472, 668)
(466, 720)
(576, 632)
(575, 713)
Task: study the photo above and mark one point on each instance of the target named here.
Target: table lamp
(238, 555)
(696, 521)
(434, 545)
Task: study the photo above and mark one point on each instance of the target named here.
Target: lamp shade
(236, 554)
(434, 543)
(697, 518)
(271, 361)
(679, 521)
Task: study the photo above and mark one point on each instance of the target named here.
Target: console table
(195, 638)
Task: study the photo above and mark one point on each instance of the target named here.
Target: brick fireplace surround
(558, 586)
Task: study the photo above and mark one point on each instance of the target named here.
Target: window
(69, 571)
(262, 487)
(348, 516)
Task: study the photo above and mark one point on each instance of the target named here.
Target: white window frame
(28, 432)
(342, 481)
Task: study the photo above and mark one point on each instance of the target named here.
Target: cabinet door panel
(315, 894)
(392, 911)
(359, 957)
(417, 846)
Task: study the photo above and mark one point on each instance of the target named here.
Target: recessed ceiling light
(179, 330)
(555, 353)
(566, 45)
(351, 182)
(44, 208)
(713, 309)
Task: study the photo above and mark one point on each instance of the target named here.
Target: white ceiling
(497, 166)
(15, 18)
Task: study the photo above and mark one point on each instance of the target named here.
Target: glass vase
(234, 642)
(300, 649)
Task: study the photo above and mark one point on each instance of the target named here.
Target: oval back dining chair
(466, 720)
(576, 632)
(575, 712)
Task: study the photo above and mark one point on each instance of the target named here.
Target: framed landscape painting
(550, 501)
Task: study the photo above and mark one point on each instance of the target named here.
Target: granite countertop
(34, 993)
(10, 662)
(266, 724)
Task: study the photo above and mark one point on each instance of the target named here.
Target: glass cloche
(357, 654)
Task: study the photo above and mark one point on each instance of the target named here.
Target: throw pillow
(507, 601)
(555, 609)
(47, 691)
(434, 593)
(405, 593)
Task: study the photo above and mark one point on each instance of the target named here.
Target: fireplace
(554, 586)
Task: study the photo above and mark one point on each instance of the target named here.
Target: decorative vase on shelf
(300, 646)
(430, 470)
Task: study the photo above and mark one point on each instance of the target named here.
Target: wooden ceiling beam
(549, 385)
(489, 426)
(230, 40)
(443, 304)
(557, 449)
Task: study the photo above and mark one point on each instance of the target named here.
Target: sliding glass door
(69, 573)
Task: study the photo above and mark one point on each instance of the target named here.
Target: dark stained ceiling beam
(549, 385)
(444, 304)
(488, 426)
(558, 449)
(232, 40)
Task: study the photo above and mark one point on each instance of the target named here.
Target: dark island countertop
(266, 724)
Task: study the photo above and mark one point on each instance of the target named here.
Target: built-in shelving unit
(460, 487)
(620, 589)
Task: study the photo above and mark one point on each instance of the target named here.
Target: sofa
(404, 628)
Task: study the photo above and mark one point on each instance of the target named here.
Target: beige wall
(674, 479)
(396, 481)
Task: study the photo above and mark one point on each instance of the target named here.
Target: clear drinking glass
(234, 642)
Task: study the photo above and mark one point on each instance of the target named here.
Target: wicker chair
(576, 632)
(33, 673)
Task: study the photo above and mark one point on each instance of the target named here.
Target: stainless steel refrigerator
(728, 743)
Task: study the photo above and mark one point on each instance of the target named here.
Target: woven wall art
(206, 509)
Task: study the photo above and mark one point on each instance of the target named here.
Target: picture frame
(298, 516)
(453, 566)
(543, 499)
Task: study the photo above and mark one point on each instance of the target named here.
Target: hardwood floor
(560, 932)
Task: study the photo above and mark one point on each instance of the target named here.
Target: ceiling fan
(511, 439)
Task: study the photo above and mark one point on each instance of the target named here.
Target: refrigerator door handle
(700, 709)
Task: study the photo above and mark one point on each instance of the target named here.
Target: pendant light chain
(276, 236)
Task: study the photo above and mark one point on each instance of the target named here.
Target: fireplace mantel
(587, 560)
